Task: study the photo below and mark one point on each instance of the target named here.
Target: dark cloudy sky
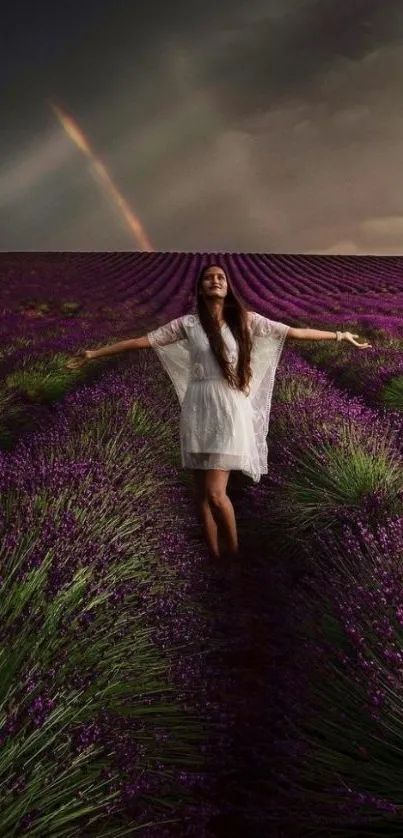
(246, 125)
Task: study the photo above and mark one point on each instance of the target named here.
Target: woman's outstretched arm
(82, 358)
(317, 334)
(123, 346)
(168, 333)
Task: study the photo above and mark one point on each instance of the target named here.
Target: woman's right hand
(79, 360)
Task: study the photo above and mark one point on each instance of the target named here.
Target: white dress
(221, 428)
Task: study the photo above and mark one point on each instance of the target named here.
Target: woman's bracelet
(339, 336)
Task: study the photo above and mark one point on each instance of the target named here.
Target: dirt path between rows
(256, 619)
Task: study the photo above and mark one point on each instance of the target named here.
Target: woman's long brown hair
(235, 315)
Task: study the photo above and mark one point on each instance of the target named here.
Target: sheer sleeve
(268, 339)
(262, 327)
(171, 344)
(168, 333)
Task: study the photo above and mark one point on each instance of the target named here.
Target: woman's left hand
(354, 340)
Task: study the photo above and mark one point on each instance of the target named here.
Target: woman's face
(214, 283)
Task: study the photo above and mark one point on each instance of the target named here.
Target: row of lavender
(103, 675)
(377, 376)
(336, 486)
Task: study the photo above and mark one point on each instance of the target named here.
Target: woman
(222, 362)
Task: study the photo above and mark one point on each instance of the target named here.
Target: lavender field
(144, 690)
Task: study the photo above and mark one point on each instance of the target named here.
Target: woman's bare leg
(221, 507)
(207, 520)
